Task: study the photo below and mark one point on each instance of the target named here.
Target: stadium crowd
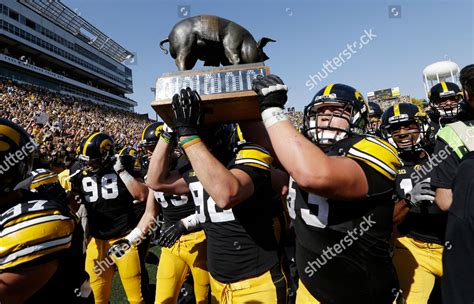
(59, 122)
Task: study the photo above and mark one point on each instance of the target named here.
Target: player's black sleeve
(258, 176)
(378, 183)
(445, 164)
(255, 161)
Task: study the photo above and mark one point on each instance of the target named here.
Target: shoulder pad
(378, 154)
(253, 155)
(31, 230)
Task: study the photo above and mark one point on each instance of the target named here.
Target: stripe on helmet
(84, 151)
(11, 133)
(444, 86)
(328, 89)
(396, 109)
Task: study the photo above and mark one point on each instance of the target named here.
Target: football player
(41, 241)
(233, 193)
(131, 162)
(108, 191)
(419, 244)
(375, 114)
(149, 139)
(46, 181)
(445, 102)
(183, 251)
(340, 194)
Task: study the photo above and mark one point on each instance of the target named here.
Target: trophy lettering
(226, 91)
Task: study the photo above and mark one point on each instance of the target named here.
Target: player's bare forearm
(225, 187)
(158, 169)
(151, 212)
(137, 189)
(17, 287)
(443, 198)
(312, 169)
(159, 176)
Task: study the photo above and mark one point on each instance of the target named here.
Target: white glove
(118, 166)
(420, 193)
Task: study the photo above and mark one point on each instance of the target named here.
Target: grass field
(118, 294)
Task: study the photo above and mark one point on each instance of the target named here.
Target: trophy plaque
(226, 92)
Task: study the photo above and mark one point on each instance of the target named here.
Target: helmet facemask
(374, 125)
(327, 127)
(95, 165)
(409, 141)
(445, 110)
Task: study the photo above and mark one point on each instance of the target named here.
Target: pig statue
(213, 40)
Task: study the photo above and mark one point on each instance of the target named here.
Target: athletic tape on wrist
(190, 221)
(273, 115)
(134, 235)
(166, 138)
(125, 177)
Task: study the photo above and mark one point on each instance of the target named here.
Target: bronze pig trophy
(226, 91)
(213, 40)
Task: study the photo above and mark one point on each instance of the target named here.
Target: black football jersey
(343, 247)
(434, 128)
(425, 223)
(176, 207)
(109, 204)
(37, 229)
(240, 241)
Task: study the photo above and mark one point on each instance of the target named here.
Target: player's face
(336, 117)
(405, 134)
(448, 103)
(91, 165)
(375, 123)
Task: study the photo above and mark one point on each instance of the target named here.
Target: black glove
(271, 91)
(119, 248)
(420, 193)
(171, 234)
(186, 112)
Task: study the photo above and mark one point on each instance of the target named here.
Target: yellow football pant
(418, 264)
(101, 269)
(303, 296)
(269, 287)
(187, 254)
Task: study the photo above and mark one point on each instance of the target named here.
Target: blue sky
(308, 33)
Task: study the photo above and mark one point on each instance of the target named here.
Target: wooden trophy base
(226, 92)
